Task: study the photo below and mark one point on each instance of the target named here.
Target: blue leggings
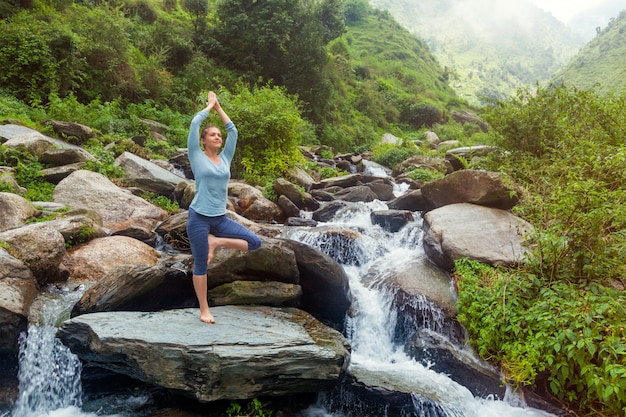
(198, 229)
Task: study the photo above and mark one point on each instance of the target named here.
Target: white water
(49, 374)
(376, 359)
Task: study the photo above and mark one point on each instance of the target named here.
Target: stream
(49, 374)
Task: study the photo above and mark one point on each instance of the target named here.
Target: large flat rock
(249, 352)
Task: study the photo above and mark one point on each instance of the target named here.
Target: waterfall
(49, 373)
(377, 358)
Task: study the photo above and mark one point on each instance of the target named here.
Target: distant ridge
(601, 63)
(490, 48)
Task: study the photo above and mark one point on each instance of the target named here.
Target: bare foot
(212, 247)
(207, 317)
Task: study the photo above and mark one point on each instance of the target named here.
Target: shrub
(269, 126)
(390, 155)
(574, 334)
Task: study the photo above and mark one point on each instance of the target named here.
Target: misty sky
(564, 10)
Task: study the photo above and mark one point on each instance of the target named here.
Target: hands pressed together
(212, 102)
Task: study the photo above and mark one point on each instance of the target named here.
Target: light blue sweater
(211, 179)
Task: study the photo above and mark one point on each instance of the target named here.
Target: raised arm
(214, 103)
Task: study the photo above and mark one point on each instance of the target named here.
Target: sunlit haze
(565, 10)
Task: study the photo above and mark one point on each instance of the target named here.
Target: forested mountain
(600, 63)
(489, 48)
(354, 70)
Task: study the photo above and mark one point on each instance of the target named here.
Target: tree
(281, 40)
(198, 9)
(270, 129)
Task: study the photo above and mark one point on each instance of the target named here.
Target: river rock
(357, 193)
(490, 189)
(18, 288)
(41, 247)
(73, 130)
(147, 175)
(269, 293)
(303, 200)
(118, 208)
(485, 234)
(391, 220)
(248, 352)
(412, 201)
(15, 210)
(325, 285)
(65, 156)
(91, 261)
(165, 285)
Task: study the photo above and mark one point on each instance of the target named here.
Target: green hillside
(601, 63)
(353, 70)
(490, 49)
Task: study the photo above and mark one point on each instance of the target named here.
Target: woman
(208, 227)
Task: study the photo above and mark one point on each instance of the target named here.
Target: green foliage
(171, 207)
(552, 120)
(569, 147)
(83, 235)
(269, 126)
(555, 312)
(330, 172)
(27, 174)
(11, 107)
(282, 41)
(104, 161)
(390, 155)
(255, 408)
(530, 325)
(594, 66)
(424, 174)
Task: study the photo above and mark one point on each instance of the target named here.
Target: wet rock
(248, 352)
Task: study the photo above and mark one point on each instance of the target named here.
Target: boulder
(383, 189)
(288, 207)
(490, 189)
(459, 157)
(40, 247)
(341, 181)
(54, 175)
(252, 204)
(18, 288)
(268, 293)
(33, 142)
(93, 260)
(273, 261)
(15, 210)
(73, 130)
(300, 177)
(325, 285)
(164, 285)
(65, 156)
(424, 162)
(147, 175)
(412, 201)
(249, 351)
(391, 220)
(357, 193)
(8, 181)
(302, 200)
(488, 235)
(463, 117)
(119, 209)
